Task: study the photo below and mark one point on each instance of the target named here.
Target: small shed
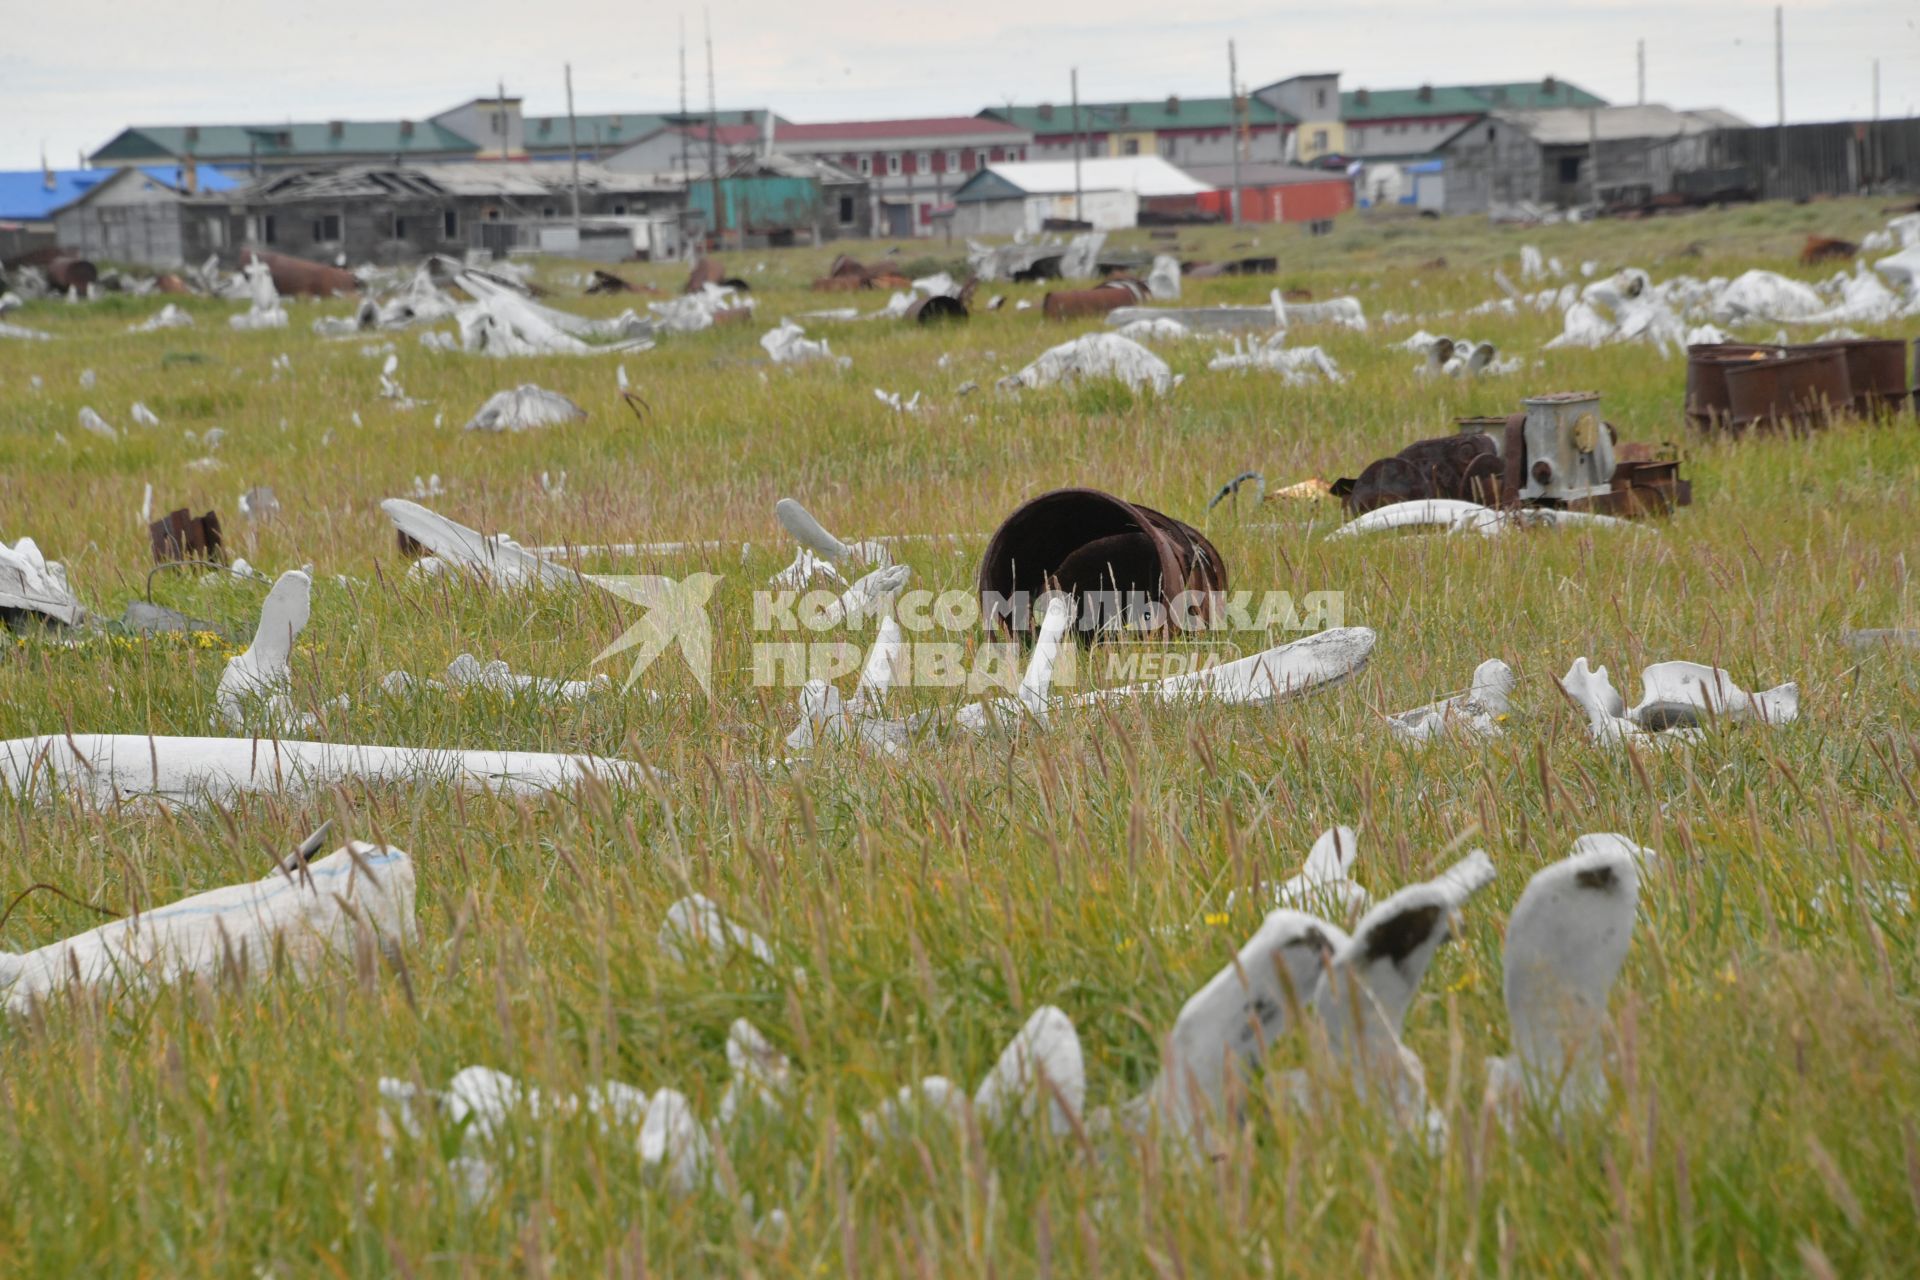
(1106, 192)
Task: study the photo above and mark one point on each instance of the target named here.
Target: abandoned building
(1571, 156)
(386, 214)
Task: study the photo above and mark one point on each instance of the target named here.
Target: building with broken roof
(1185, 131)
(387, 213)
(1568, 157)
(1109, 193)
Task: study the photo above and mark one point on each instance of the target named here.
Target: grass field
(1766, 1110)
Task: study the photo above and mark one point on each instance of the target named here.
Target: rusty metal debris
(298, 275)
(1068, 304)
(1466, 466)
(1734, 387)
(1558, 453)
(1798, 389)
(709, 271)
(602, 281)
(1255, 266)
(1820, 249)
(848, 275)
(1122, 562)
(179, 535)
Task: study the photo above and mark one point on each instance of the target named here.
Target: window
(1131, 147)
(846, 211)
(1320, 97)
(498, 120)
(450, 224)
(1319, 139)
(1490, 135)
(866, 166)
(923, 163)
(217, 232)
(893, 164)
(399, 228)
(326, 227)
(548, 211)
(980, 159)
(953, 162)
(619, 211)
(266, 229)
(1569, 169)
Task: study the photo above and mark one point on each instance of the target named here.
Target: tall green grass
(1766, 1117)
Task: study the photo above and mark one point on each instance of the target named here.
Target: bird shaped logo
(676, 610)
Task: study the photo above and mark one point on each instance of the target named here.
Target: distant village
(483, 175)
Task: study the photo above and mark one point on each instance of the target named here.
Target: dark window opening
(846, 211)
(1569, 169)
(450, 224)
(326, 227)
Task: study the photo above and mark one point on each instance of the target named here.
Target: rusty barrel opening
(1111, 555)
(937, 309)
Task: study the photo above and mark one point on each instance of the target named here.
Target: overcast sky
(75, 71)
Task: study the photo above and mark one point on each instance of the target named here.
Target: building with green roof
(1184, 131)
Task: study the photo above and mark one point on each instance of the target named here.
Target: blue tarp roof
(25, 197)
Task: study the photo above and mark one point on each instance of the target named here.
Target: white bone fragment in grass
(524, 408)
(1477, 713)
(255, 686)
(812, 535)
(1228, 1026)
(1370, 983)
(1566, 941)
(760, 1076)
(1678, 700)
(1272, 675)
(1096, 356)
(31, 583)
(304, 917)
(1047, 1046)
(696, 923)
(468, 672)
(117, 767)
(1031, 699)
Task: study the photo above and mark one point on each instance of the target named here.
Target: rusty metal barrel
(1112, 556)
(1071, 304)
(1708, 405)
(1802, 389)
(293, 275)
(937, 309)
(1876, 369)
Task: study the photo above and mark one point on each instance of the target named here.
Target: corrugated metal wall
(1804, 160)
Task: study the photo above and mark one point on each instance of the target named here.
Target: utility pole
(573, 150)
(1233, 104)
(1780, 61)
(1640, 60)
(1593, 154)
(713, 131)
(1780, 90)
(1876, 91)
(1077, 148)
(686, 161)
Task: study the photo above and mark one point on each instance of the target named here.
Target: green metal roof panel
(1159, 113)
(1461, 100)
(986, 185)
(356, 137)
